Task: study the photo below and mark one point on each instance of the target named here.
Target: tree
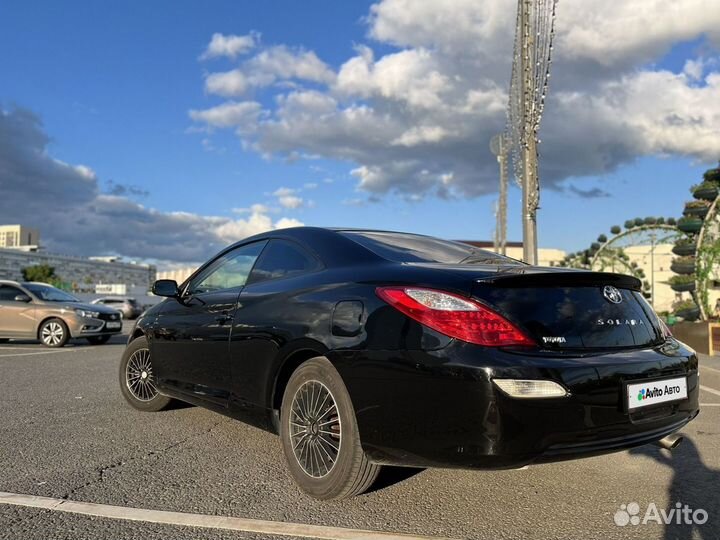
(40, 272)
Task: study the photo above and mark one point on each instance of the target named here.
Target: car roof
(332, 247)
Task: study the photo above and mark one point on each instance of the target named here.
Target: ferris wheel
(610, 253)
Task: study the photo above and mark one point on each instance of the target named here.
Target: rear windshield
(408, 248)
(576, 317)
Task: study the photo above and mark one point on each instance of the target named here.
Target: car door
(17, 319)
(191, 336)
(273, 308)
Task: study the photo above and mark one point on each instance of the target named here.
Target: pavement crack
(101, 472)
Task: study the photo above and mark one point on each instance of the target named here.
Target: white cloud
(242, 114)
(283, 192)
(257, 222)
(287, 198)
(228, 83)
(281, 62)
(310, 185)
(286, 223)
(418, 119)
(290, 201)
(255, 208)
(694, 68)
(229, 45)
(76, 217)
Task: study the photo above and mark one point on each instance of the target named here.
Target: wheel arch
(136, 333)
(288, 366)
(46, 319)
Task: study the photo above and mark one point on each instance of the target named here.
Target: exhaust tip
(671, 442)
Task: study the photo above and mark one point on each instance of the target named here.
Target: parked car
(40, 311)
(364, 348)
(129, 307)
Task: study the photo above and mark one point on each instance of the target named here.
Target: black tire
(4, 340)
(99, 340)
(351, 473)
(136, 369)
(54, 333)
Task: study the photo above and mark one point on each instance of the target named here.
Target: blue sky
(113, 85)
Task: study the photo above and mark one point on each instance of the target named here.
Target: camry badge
(612, 295)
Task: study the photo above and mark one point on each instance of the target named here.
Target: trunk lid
(571, 309)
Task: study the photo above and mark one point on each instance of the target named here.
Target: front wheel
(137, 378)
(98, 340)
(54, 333)
(320, 436)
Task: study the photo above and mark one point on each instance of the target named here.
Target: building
(656, 265)
(19, 237)
(178, 274)
(77, 273)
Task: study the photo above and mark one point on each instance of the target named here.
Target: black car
(363, 348)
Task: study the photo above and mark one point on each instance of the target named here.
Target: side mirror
(23, 298)
(166, 287)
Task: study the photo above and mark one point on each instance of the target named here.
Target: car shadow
(177, 405)
(390, 475)
(693, 484)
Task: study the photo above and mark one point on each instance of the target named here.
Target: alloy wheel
(52, 333)
(139, 376)
(315, 432)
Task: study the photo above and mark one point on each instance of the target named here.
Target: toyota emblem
(612, 294)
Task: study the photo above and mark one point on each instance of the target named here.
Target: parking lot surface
(68, 434)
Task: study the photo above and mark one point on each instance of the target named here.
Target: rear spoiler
(562, 279)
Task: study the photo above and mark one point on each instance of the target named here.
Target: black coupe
(363, 348)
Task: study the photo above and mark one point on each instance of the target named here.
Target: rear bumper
(441, 408)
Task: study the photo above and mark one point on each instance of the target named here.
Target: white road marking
(13, 355)
(275, 528)
(711, 390)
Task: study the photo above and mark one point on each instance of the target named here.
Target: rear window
(282, 259)
(408, 248)
(575, 317)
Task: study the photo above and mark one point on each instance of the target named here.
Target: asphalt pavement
(68, 434)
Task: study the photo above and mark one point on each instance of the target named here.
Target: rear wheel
(319, 434)
(98, 340)
(137, 378)
(54, 333)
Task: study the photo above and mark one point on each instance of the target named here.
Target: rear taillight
(454, 316)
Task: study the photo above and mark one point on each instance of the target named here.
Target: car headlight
(88, 313)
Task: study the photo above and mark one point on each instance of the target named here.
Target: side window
(283, 259)
(8, 293)
(229, 271)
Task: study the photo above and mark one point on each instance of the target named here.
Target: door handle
(222, 319)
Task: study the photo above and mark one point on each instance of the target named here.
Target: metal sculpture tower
(534, 32)
(498, 146)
